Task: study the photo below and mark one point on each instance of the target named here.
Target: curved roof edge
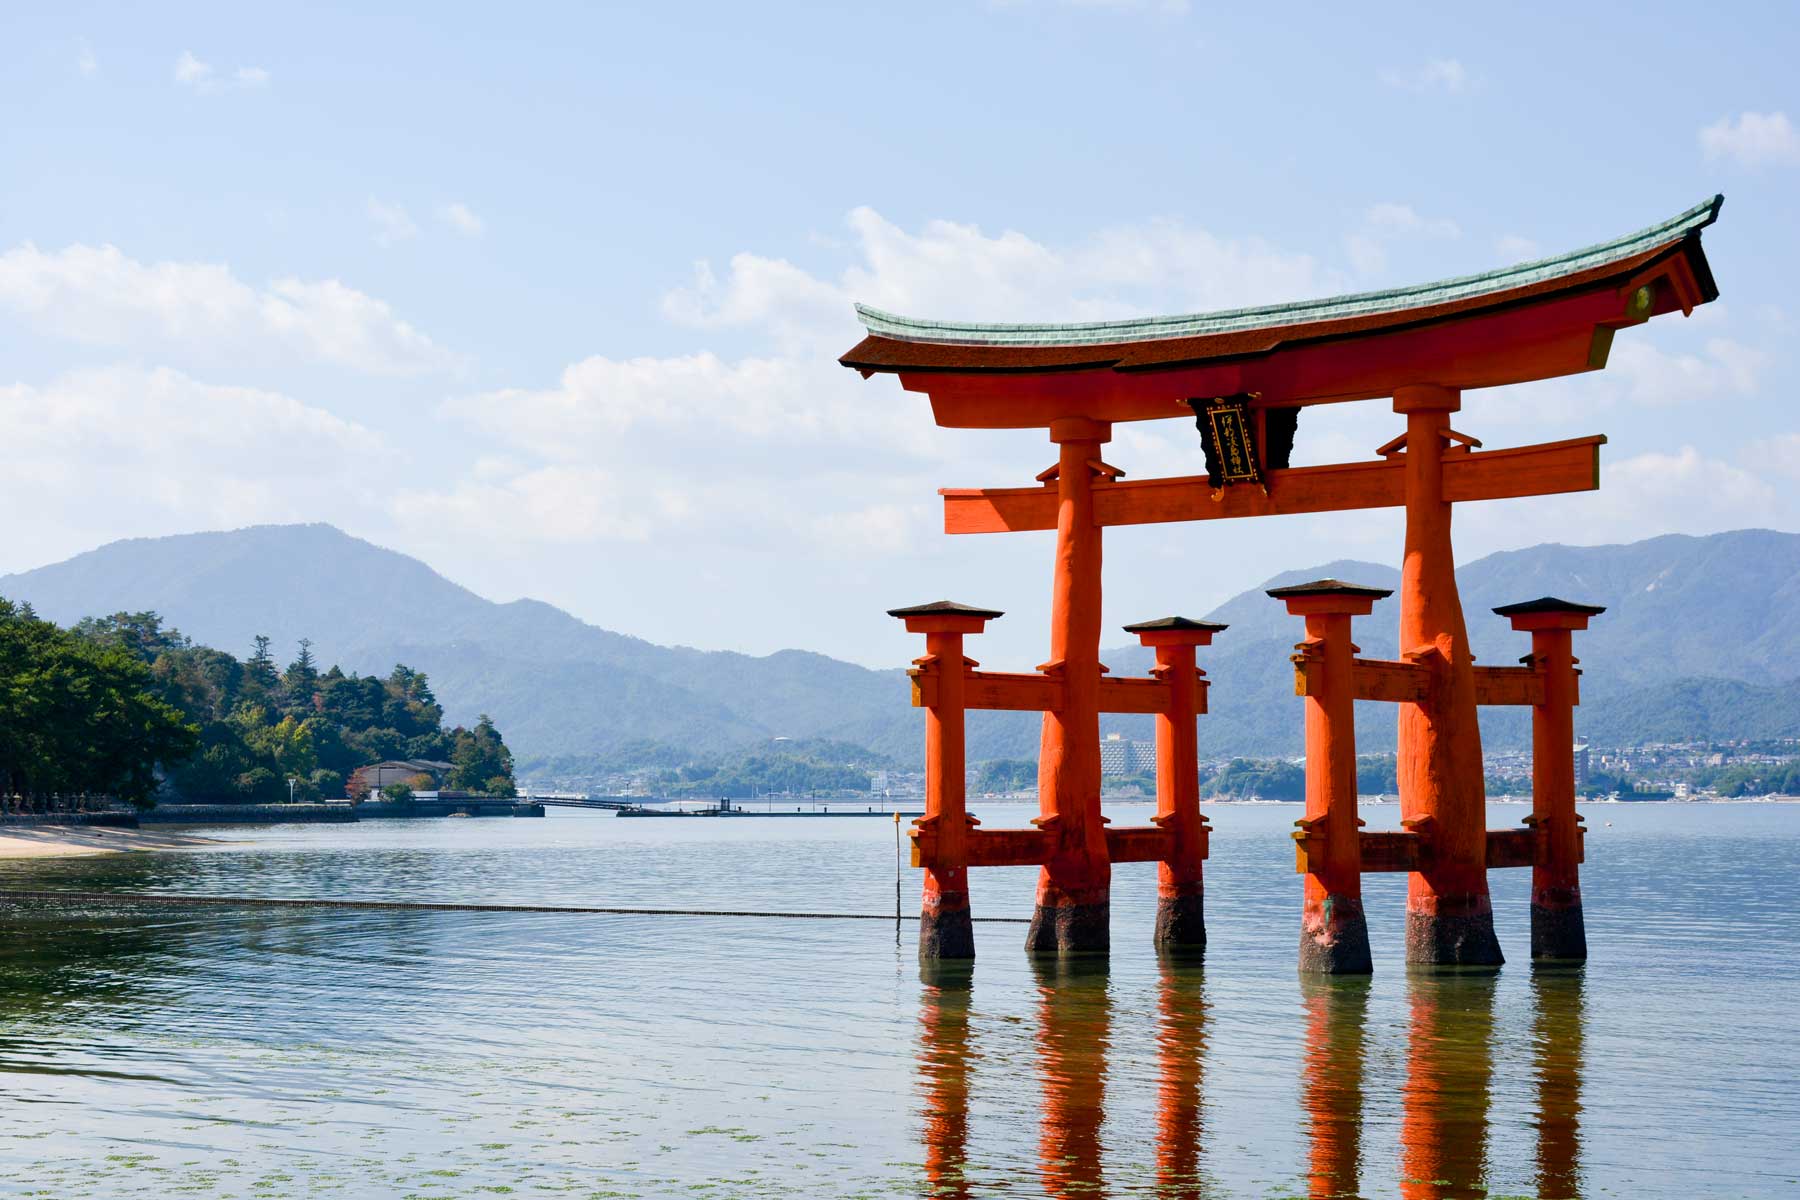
(1394, 300)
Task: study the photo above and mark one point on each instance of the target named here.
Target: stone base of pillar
(1558, 934)
(946, 930)
(1335, 939)
(1068, 926)
(1181, 921)
(1463, 939)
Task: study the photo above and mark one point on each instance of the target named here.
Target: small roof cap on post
(1548, 612)
(945, 616)
(1330, 587)
(1326, 596)
(1549, 604)
(1176, 631)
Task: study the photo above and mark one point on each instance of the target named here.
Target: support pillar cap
(945, 616)
(1549, 612)
(1176, 631)
(1328, 596)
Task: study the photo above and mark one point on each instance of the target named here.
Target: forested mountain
(126, 707)
(1696, 643)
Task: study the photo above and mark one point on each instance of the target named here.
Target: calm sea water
(237, 1052)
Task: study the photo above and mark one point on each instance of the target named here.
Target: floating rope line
(60, 896)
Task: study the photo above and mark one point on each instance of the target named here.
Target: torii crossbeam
(1244, 375)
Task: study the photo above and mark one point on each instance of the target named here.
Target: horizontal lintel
(994, 690)
(1032, 847)
(1509, 686)
(1541, 470)
(1512, 848)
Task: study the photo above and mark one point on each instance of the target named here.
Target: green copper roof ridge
(1145, 329)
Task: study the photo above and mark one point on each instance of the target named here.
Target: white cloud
(1642, 496)
(96, 294)
(1654, 378)
(1684, 492)
(1173, 8)
(201, 77)
(392, 222)
(85, 62)
(1386, 223)
(954, 270)
(461, 218)
(1512, 248)
(191, 70)
(564, 503)
(1436, 75)
(1777, 454)
(126, 451)
(1403, 220)
(1641, 378)
(1753, 140)
(786, 444)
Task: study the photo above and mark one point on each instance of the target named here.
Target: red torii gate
(1244, 374)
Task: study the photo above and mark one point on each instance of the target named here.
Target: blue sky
(548, 295)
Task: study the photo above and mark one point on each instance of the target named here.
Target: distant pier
(668, 806)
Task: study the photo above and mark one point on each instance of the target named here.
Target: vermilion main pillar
(1073, 907)
(1558, 932)
(1334, 934)
(1443, 796)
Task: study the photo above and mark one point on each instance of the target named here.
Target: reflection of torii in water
(1445, 1099)
(1244, 374)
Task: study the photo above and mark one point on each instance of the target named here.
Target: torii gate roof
(1535, 320)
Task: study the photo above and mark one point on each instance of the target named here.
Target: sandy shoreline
(75, 841)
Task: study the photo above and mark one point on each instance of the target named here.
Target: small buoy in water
(1609, 824)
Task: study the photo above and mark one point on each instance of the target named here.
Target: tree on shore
(80, 717)
(482, 763)
(257, 728)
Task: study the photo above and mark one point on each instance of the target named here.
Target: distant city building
(1581, 763)
(1120, 757)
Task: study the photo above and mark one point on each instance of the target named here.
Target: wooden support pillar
(1443, 798)
(945, 928)
(1558, 933)
(1334, 935)
(1073, 896)
(1180, 880)
(1331, 1087)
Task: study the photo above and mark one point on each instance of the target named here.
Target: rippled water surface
(162, 1051)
